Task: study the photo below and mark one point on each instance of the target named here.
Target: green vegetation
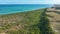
(44, 24)
(32, 22)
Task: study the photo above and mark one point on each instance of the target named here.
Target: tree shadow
(49, 16)
(58, 12)
(44, 25)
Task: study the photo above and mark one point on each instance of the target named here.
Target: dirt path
(54, 18)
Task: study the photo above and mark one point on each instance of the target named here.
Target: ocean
(15, 8)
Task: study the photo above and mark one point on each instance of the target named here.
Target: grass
(32, 22)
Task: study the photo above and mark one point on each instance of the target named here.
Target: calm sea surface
(15, 8)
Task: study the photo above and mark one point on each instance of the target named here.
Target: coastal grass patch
(29, 18)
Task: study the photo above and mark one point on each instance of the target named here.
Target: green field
(31, 22)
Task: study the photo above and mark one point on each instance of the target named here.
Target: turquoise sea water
(15, 8)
